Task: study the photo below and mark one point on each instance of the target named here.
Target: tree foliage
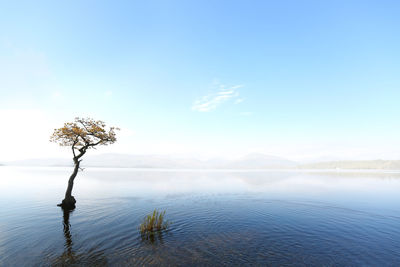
(83, 134)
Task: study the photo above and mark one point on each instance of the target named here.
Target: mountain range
(251, 161)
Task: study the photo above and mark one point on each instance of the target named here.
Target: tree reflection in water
(68, 257)
(78, 258)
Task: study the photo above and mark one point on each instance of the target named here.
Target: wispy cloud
(239, 100)
(212, 101)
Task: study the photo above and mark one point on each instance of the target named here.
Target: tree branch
(73, 150)
(73, 146)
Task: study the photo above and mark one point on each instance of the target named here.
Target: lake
(273, 218)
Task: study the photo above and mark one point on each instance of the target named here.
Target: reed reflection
(153, 238)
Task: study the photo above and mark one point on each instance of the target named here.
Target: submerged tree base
(68, 203)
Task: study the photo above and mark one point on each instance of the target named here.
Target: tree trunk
(69, 201)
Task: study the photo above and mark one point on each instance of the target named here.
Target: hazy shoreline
(249, 162)
(156, 169)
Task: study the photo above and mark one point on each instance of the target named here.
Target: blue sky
(297, 79)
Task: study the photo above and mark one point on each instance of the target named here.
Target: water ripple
(207, 229)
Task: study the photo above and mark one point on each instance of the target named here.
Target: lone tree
(81, 135)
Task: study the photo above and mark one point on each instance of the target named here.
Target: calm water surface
(273, 218)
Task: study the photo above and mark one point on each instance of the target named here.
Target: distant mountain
(43, 162)
(140, 161)
(354, 164)
(252, 161)
(261, 161)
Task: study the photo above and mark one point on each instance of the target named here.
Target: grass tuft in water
(154, 222)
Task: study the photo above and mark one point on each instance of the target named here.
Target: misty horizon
(256, 161)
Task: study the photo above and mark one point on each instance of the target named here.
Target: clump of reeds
(154, 222)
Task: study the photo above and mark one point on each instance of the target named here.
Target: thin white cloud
(213, 100)
(239, 100)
